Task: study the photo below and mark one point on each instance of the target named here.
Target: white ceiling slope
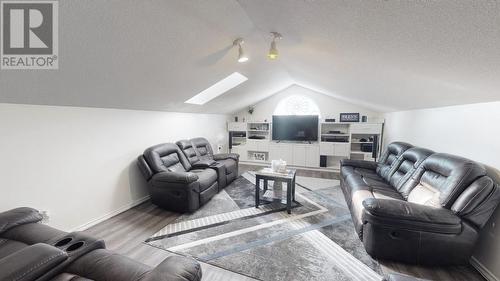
(154, 55)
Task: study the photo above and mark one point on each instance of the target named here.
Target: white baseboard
(483, 270)
(110, 214)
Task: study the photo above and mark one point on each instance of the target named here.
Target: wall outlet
(219, 148)
(45, 216)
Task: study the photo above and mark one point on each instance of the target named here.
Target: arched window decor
(297, 105)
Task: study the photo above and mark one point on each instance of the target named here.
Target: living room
(249, 140)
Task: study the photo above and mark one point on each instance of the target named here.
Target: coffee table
(267, 174)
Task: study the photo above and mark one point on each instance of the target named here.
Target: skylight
(218, 89)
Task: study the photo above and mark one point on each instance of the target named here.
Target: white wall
(328, 106)
(79, 163)
(472, 131)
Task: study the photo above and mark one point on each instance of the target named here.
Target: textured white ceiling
(154, 55)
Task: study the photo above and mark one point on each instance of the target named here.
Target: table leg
(293, 189)
(265, 185)
(257, 191)
(289, 196)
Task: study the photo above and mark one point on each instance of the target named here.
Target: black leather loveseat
(418, 206)
(30, 250)
(184, 176)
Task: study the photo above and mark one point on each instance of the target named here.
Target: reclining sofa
(31, 251)
(185, 175)
(417, 206)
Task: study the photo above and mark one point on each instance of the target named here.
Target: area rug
(316, 241)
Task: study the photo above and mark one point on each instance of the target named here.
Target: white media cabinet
(344, 141)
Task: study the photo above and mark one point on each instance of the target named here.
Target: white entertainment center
(337, 140)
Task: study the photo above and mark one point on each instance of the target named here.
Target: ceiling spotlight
(273, 52)
(242, 57)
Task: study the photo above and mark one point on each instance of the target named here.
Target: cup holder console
(76, 244)
(63, 242)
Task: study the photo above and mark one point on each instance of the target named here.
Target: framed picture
(349, 117)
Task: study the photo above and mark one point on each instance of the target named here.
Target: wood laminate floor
(126, 233)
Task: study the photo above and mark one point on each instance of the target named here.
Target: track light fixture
(273, 51)
(242, 57)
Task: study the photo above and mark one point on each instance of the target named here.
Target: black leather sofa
(184, 176)
(33, 251)
(417, 206)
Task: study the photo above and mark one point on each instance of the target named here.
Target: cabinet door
(252, 145)
(280, 151)
(299, 155)
(342, 149)
(312, 156)
(326, 148)
(263, 145)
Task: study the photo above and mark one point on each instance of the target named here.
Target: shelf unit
(362, 141)
(334, 145)
(258, 136)
(336, 141)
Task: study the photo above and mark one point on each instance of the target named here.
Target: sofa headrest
(202, 147)
(444, 177)
(189, 151)
(406, 165)
(395, 149)
(18, 216)
(184, 144)
(166, 157)
(416, 155)
(390, 156)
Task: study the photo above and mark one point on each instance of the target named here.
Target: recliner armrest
(403, 214)
(223, 156)
(370, 165)
(31, 262)
(18, 216)
(175, 268)
(174, 177)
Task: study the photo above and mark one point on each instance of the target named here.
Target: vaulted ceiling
(154, 55)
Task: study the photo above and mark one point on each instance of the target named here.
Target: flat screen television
(295, 127)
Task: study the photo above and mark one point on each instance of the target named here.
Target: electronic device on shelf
(257, 137)
(334, 139)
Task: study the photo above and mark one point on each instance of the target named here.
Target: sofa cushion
(206, 177)
(166, 157)
(441, 178)
(405, 166)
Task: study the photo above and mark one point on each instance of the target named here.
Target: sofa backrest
(189, 151)
(166, 157)
(389, 158)
(478, 201)
(405, 166)
(203, 148)
(441, 179)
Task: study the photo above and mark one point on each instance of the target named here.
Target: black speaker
(375, 147)
(322, 161)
